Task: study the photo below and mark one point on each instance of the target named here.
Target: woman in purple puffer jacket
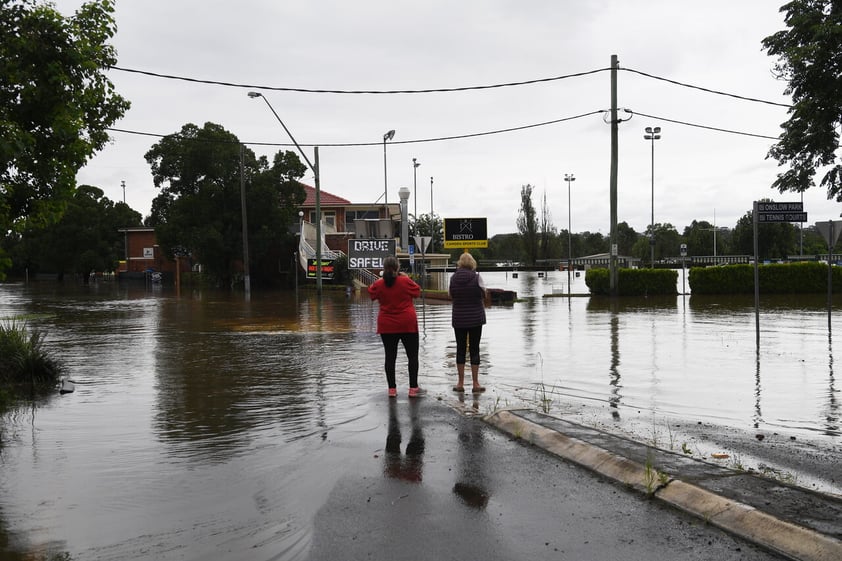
(467, 291)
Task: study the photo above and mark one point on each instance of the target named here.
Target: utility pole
(246, 275)
(612, 260)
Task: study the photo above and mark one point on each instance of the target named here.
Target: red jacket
(397, 311)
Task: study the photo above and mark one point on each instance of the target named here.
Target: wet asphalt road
(441, 485)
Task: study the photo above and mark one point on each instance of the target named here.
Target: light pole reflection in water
(615, 399)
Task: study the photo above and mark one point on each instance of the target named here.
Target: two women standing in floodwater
(397, 321)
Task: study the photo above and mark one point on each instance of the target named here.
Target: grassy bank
(27, 369)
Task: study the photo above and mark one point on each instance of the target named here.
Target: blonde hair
(467, 261)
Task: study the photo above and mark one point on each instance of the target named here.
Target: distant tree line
(538, 239)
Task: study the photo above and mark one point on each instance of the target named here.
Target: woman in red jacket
(397, 321)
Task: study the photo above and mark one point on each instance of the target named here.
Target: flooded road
(205, 422)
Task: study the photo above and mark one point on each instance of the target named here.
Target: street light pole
(415, 164)
(652, 134)
(569, 177)
(388, 136)
(432, 221)
(315, 169)
(125, 232)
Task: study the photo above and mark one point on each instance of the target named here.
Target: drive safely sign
(369, 253)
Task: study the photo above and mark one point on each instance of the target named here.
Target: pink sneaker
(417, 392)
(393, 392)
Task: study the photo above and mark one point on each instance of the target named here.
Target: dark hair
(390, 270)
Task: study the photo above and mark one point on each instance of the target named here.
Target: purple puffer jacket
(468, 294)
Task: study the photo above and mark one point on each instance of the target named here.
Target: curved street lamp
(315, 168)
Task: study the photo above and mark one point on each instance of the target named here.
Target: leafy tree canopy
(55, 103)
(199, 209)
(809, 55)
(86, 238)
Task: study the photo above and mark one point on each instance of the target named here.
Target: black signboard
(465, 233)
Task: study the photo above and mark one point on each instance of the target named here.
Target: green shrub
(776, 278)
(25, 365)
(633, 282)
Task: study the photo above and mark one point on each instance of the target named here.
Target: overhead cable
(356, 144)
(441, 90)
(336, 91)
(696, 125)
(677, 83)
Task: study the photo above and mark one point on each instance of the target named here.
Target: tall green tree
(55, 104)
(667, 242)
(429, 225)
(593, 243)
(198, 208)
(86, 238)
(527, 224)
(699, 238)
(774, 241)
(505, 247)
(809, 56)
(547, 245)
(626, 238)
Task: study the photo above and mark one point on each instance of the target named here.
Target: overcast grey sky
(394, 44)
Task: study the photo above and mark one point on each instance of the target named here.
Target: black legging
(463, 334)
(410, 345)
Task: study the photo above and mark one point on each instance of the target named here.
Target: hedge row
(633, 282)
(776, 278)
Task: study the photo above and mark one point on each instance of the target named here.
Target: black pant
(410, 345)
(463, 335)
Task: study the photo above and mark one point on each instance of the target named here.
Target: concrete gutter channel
(795, 522)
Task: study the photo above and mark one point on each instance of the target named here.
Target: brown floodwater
(191, 401)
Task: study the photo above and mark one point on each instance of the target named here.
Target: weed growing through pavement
(541, 394)
(652, 478)
(737, 463)
(671, 434)
(649, 475)
(494, 407)
(780, 475)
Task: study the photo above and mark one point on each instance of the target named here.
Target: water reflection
(406, 466)
(615, 397)
(195, 404)
(832, 408)
(471, 481)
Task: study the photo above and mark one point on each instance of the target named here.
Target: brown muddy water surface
(187, 402)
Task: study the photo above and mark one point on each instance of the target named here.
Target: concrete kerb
(785, 538)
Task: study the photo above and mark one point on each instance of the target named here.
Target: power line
(357, 144)
(337, 91)
(440, 90)
(462, 136)
(696, 125)
(677, 83)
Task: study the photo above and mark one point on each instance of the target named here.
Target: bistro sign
(465, 233)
